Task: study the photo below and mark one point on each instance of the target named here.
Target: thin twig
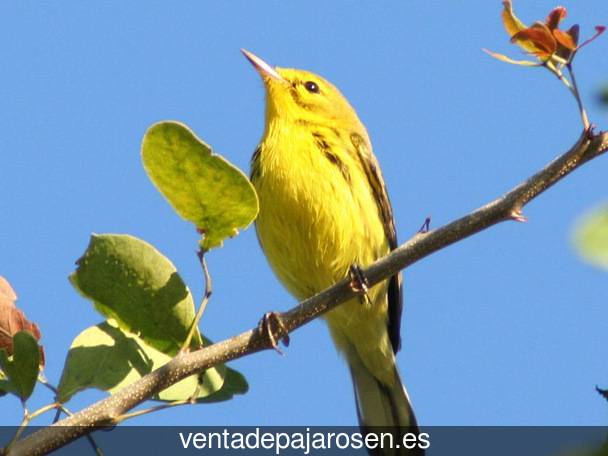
(42, 379)
(98, 451)
(507, 207)
(557, 72)
(156, 408)
(577, 96)
(20, 429)
(203, 305)
(63, 409)
(42, 410)
(57, 415)
(27, 418)
(573, 88)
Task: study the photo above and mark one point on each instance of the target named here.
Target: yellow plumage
(323, 208)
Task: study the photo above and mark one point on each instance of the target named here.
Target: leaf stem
(572, 87)
(27, 417)
(205, 300)
(557, 72)
(63, 409)
(42, 379)
(156, 408)
(42, 410)
(577, 96)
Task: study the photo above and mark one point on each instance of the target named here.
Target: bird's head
(301, 96)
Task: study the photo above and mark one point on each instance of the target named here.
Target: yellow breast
(317, 217)
(317, 212)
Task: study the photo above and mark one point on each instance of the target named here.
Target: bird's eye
(311, 86)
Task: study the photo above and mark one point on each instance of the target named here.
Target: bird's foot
(272, 327)
(358, 282)
(426, 226)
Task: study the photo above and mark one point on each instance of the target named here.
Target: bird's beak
(265, 70)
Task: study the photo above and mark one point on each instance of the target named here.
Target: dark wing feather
(376, 182)
(255, 163)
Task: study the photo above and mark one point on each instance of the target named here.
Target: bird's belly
(313, 225)
(311, 241)
(311, 245)
(314, 231)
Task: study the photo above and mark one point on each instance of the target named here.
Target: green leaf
(108, 358)
(133, 283)
(604, 96)
(5, 384)
(234, 383)
(21, 370)
(591, 237)
(202, 187)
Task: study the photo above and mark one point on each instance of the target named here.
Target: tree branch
(507, 207)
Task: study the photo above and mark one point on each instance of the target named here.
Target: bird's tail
(382, 406)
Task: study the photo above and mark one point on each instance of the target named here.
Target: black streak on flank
(320, 140)
(336, 132)
(255, 163)
(324, 146)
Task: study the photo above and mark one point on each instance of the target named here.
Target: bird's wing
(374, 176)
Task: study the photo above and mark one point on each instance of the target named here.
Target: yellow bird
(323, 209)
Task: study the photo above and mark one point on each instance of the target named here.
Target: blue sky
(506, 328)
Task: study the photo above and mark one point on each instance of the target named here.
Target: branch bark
(108, 411)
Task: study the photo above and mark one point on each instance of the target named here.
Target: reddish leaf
(6, 291)
(506, 59)
(537, 39)
(564, 39)
(13, 320)
(552, 46)
(555, 17)
(512, 24)
(573, 32)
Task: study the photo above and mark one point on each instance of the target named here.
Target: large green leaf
(133, 283)
(109, 359)
(202, 187)
(21, 370)
(591, 237)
